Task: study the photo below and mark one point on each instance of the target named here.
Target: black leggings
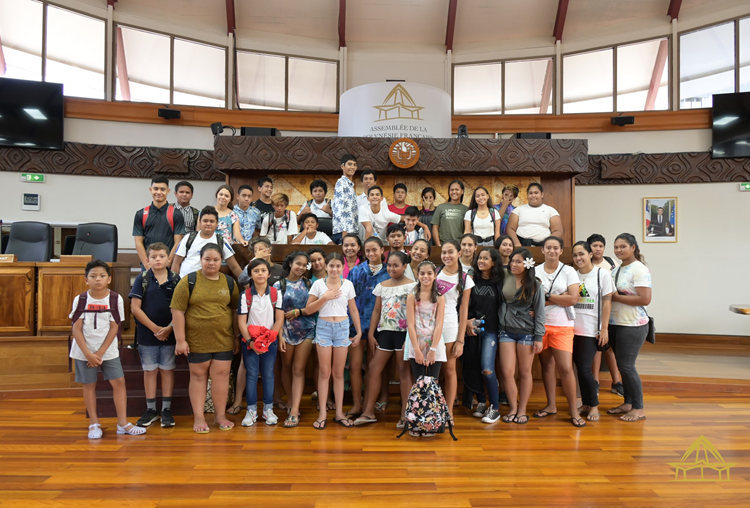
(419, 370)
(584, 351)
(626, 343)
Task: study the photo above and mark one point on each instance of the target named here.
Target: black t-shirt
(156, 305)
(263, 207)
(484, 302)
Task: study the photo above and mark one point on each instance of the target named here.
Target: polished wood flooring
(46, 460)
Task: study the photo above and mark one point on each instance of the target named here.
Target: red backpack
(113, 309)
(249, 297)
(170, 215)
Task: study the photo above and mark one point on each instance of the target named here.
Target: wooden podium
(60, 283)
(17, 291)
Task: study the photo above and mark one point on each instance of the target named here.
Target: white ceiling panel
(397, 21)
(317, 19)
(496, 20)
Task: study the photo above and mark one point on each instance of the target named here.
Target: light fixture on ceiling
(35, 113)
(724, 120)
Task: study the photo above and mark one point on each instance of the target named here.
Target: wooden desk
(17, 290)
(60, 283)
(279, 252)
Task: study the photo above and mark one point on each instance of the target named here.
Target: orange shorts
(558, 337)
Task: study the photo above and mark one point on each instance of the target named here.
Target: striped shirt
(190, 215)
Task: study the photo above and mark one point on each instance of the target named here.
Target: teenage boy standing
(157, 222)
(265, 189)
(183, 193)
(345, 213)
(249, 215)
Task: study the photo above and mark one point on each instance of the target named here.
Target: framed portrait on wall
(660, 220)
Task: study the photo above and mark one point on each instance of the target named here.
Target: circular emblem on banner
(404, 153)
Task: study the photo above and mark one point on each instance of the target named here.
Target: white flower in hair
(309, 266)
(528, 263)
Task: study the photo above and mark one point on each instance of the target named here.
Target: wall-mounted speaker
(260, 131)
(533, 135)
(169, 114)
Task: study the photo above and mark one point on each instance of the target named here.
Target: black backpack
(192, 236)
(474, 216)
(193, 277)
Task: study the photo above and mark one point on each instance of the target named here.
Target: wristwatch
(433, 350)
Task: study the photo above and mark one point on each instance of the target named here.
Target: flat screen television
(731, 125)
(31, 114)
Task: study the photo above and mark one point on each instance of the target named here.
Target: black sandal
(509, 418)
(321, 424)
(519, 420)
(578, 422)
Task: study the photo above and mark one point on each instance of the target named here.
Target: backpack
(193, 277)
(611, 263)
(282, 284)
(192, 236)
(146, 280)
(113, 309)
(170, 216)
(272, 224)
(474, 216)
(249, 297)
(427, 412)
(309, 203)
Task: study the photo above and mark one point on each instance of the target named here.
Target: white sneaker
(250, 418)
(480, 410)
(269, 416)
(492, 416)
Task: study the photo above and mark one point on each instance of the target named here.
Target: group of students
(366, 307)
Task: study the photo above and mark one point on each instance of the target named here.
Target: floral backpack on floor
(427, 412)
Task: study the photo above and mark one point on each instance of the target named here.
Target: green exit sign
(745, 186)
(32, 177)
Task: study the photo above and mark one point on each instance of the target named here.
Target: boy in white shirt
(318, 205)
(96, 316)
(279, 227)
(379, 216)
(412, 233)
(310, 234)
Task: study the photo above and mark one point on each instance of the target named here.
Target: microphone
(83, 243)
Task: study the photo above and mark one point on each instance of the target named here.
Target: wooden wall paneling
(686, 167)
(438, 156)
(60, 283)
(17, 305)
(325, 122)
(111, 160)
(558, 193)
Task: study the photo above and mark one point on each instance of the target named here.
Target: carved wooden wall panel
(109, 160)
(687, 167)
(307, 154)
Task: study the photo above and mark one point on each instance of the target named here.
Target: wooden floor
(46, 460)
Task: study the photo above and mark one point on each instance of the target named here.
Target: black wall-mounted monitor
(31, 114)
(731, 125)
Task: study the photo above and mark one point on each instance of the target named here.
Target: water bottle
(476, 325)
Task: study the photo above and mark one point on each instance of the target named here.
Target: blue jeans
(489, 353)
(263, 363)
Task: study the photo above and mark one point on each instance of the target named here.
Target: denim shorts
(156, 357)
(111, 369)
(518, 338)
(329, 333)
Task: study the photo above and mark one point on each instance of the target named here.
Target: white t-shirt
(447, 286)
(320, 239)
(380, 220)
(635, 275)
(337, 307)
(533, 222)
(554, 315)
(276, 229)
(483, 228)
(589, 300)
(261, 311)
(95, 335)
(317, 209)
(192, 261)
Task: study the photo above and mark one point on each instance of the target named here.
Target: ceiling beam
(342, 23)
(451, 29)
(231, 25)
(674, 9)
(122, 67)
(3, 67)
(112, 3)
(656, 74)
(547, 88)
(562, 12)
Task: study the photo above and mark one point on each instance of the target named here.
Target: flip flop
(353, 416)
(593, 417)
(281, 406)
(291, 422)
(509, 418)
(578, 422)
(522, 422)
(321, 424)
(381, 406)
(234, 410)
(401, 423)
(543, 414)
(343, 423)
(364, 420)
(632, 418)
(225, 425)
(617, 411)
(201, 429)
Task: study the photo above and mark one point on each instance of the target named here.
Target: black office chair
(325, 225)
(6, 237)
(98, 240)
(68, 245)
(30, 241)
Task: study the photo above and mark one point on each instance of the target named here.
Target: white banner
(395, 110)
